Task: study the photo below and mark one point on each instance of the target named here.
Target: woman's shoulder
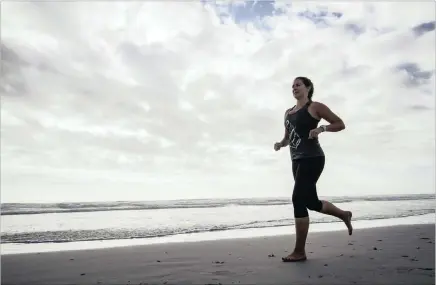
(317, 105)
(317, 109)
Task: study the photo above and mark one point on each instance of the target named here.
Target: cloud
(415, 75)
(424, 28)
(160, 100)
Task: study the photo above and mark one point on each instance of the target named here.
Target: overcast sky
(165, 100)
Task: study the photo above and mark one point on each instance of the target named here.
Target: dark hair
(306, 81)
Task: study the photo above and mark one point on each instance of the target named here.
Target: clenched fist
(315, 132)
(277, 146)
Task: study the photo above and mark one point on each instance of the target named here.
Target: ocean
(60, 225)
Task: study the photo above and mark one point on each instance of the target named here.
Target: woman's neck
(302, 102)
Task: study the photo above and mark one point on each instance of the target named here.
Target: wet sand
(389, 255)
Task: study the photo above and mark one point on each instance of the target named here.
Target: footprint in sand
(426, 269)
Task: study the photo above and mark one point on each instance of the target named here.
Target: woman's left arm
(324, 112)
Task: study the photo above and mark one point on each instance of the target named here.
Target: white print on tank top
(294, 138)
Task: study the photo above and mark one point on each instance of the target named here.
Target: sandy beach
(390, 255)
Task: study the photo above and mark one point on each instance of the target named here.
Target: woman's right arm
(285, 141)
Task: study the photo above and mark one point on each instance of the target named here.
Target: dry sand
(390, 255)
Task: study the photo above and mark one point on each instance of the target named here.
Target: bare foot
(295, 257)
(347, 221)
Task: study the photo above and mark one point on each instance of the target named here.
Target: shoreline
(387, 255)
(13, 249)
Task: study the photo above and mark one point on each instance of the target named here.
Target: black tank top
(299, 124)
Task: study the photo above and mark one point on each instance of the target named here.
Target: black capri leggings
(306, 173)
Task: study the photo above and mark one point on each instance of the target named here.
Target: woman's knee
(314, 205)
(305, 193)
(299, 204)
(300, 211)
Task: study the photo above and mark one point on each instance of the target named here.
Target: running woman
(301, 135)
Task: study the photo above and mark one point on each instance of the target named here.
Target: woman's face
(299, 89)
